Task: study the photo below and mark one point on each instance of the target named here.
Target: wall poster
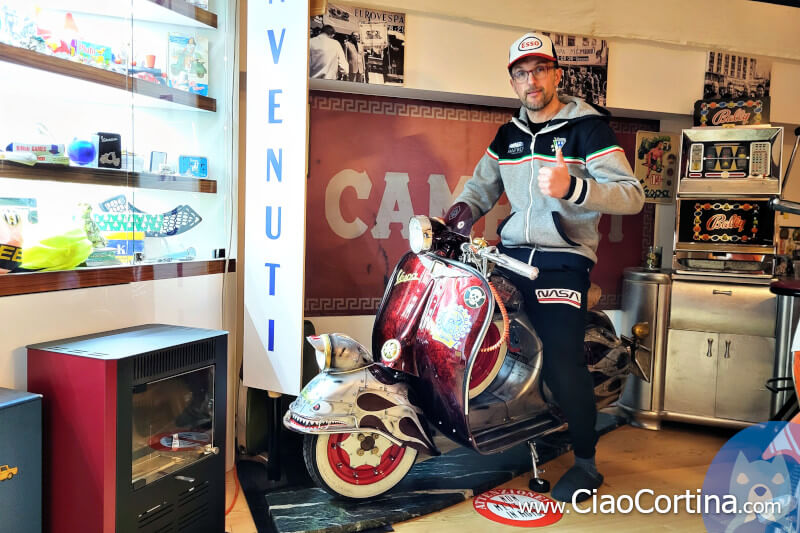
(656, 165)
(731, 76)
(585, 64)
(371, 45)
(405, 157)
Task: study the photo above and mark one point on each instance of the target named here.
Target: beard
(546, 99)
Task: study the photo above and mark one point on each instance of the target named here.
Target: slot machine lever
(791, 157)
(785, 206)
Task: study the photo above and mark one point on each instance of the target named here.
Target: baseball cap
(532, 44)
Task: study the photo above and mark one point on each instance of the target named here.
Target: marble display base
(430, 486)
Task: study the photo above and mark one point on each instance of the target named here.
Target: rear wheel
(356, 465)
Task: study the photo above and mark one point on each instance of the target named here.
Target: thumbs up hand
(554, 181)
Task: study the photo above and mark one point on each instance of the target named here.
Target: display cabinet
(117, 140)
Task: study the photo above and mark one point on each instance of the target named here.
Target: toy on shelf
(10, 240)
(187, 63)
(60, 252)
(36, 153)
(196, 166)
(82, 152)
(109, 153)
(127, 216)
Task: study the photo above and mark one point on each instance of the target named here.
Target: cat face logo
(760, 481)
(751, 476)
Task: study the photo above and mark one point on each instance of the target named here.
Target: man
(560, 166)
(327, 56)
(355, 57)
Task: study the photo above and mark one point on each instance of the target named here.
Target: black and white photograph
(358, 44)
(585, 64)
(730, 75)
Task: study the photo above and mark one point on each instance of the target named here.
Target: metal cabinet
(691, 372)
(645, 298)
(744, 364)
(718, 375)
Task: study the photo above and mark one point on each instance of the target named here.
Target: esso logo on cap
(530, 43)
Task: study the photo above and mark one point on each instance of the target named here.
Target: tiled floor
(667, 461)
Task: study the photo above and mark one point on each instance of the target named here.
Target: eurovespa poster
(370, 45)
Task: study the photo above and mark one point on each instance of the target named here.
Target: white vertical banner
(275, 195)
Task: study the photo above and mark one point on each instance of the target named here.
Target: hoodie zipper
(530, 193)
(546, 129)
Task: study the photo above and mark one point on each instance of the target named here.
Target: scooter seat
(788, 287)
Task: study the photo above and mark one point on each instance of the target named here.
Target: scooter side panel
(455, 320)
(400, 313)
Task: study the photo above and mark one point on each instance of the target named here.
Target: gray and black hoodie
(602, 180)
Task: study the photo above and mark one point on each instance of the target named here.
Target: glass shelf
(55, 65)
(81, 278)
(102, 176)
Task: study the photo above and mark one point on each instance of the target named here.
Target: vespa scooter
(452, 349)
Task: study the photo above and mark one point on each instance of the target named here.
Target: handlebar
(785, 206)
(490, 253)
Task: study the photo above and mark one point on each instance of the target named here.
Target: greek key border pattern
(609, 301)
(405, 109)
(336, 306)
(648, 229)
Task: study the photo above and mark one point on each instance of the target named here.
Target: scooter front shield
(437, 323)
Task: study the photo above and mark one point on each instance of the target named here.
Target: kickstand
(537, 484)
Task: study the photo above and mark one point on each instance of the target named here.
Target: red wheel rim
(339, 460)
(485, 360)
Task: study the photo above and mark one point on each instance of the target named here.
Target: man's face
(536, 92)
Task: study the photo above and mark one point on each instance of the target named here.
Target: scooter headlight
(322, 345)
(337, 352)
(420, 234)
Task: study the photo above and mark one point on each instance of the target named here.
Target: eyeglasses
(539, 72)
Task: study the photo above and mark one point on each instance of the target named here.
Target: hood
(574, 110)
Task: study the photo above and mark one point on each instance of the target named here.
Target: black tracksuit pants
(556, 306)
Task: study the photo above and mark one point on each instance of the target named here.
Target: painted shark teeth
(314, 424)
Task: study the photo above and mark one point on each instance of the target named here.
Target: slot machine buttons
(759, 158)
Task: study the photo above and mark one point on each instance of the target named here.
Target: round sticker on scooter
(517, 507)
(390, 350)
(474, 297)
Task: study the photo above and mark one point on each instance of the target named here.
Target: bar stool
(786, 290)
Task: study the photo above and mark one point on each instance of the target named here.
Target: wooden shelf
(34, 282)
(56, 65)
(188, 10)
(103, 176)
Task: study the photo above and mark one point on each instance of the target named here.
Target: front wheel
(356, 465)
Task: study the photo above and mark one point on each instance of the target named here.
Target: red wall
(375, 161)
